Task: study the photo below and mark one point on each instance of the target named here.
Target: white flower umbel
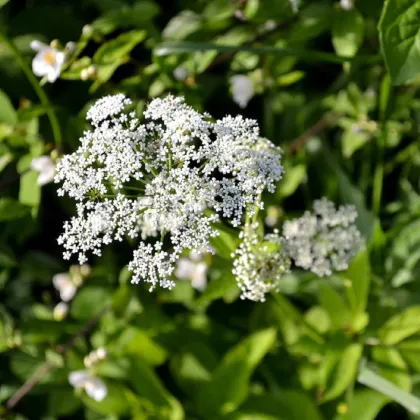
(193, 269)
(48, 61)
(65, 286)
(260, 261)
(324, 240)
(242, 89)
(46, 168)
(166, 181)
(93, 385)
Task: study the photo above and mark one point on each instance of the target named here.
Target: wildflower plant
(166, 181)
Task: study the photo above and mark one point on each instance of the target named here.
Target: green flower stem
(37, 87)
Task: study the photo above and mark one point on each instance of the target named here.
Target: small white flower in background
(323, 240)
(294, 4)
(242, 89)
(270, 25)
(347, 4)
(181, 73)
(65, 286)
(46, 168)
(93, 385)
(193, 269)
(60, 311)
(48, 61)
(94, 357)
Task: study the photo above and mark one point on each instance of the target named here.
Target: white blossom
(93, 385)
(323, 240)
(193, 269)
(347, 4)
(242, 89)
(167, 180)
(48, 61)
(294, 4)
(65, 286)
(60, 311)
(46, 168)
(181, 73)
(259, 263)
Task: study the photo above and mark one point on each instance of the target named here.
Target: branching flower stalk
(166, 181)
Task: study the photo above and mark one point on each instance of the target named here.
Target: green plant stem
(37, 88)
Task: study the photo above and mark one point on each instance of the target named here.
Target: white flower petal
(78, 378)
(60, 58)
(96, 388)
(67, 293)
(242, 89)
(199, 277)
(60, 311)
(40, 163)
(61, 280)
(38, 45)
(53, 73)
(39, 66)
(185, 268)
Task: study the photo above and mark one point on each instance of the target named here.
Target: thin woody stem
(47, 366)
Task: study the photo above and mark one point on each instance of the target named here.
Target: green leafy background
(339, 92)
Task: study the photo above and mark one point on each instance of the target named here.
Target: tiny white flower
(84, 74)
(294, 4)
(101, 353)
(195, 271)
(46, 168)
(93, 385)
(66, 288)
(181, 73)
(48, 61)
(347, 4)
(60, 311)
(242, 89)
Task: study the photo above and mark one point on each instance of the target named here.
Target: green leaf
(286, 405)
(224, 286)
(392, 366)
(345, 372)
(7, 111)
(375, 381)
(365, 404)
(11, 209)
(400, 326)
(148, 385)
(359, 274)
(399, 32)
(228, 386)
(335, 305)
(182, 25)
(347, 31)
(30, 191)
(89, 301)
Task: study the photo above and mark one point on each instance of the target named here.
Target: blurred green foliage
(323, 93)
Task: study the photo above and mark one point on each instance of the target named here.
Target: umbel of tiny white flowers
(46, 168)
(324, 240)
(193, 269)
(242, 89)
(168, 179)
(48, 61)
(259, 262)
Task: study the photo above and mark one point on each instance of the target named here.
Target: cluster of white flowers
(259, 262)
(323, 240)
(87, 379)
(170, 178)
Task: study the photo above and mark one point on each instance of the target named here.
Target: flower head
(171, 178)
(93, 385)
(48, 61)
(260, 261)
(65, 286)
(323, 240)
(242, 89)
(46, 168)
